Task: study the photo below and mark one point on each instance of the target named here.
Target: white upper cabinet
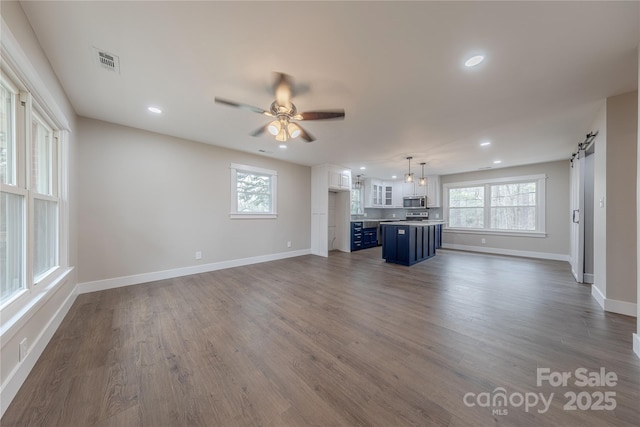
(433, 191)
(383, 194)
(373, 193)
(421, 190)
(397, 193)
(389, 194)
(408, 189)
(340, 179)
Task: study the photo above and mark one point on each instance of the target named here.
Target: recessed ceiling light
(394, 177)
(486, 143)
(362, 168)
(474, 60)
(154, 110)
(495, 162)
(283, 146)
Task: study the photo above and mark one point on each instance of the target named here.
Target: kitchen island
(410, 242)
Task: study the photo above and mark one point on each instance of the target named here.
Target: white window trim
(234, 214)
(540, 230)
(33, 92)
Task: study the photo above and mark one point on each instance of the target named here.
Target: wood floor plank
(338, 341)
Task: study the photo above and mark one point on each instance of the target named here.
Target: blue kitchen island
(410, 242)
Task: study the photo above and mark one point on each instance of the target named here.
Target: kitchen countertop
(374, 220)
(423, 223)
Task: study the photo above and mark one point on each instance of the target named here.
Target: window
(466, 207)
(8, 146)
(506, 205)
(12, 245)
(12, 198)
(253, 192)
(356, 201)
(29, 196)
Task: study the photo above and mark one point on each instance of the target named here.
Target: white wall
(150, 201)
(615, 218)
(622, 116)
(38, 324)
(599, 125)
(555, 245)
(636, 336)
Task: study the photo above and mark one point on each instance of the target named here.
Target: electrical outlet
(289, 243)
(198, 255)
(394, 215)
(483, 241)
(23, 349)
(365, 214)
(437, 215)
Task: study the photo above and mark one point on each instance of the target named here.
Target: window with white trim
(253, 192)
(29, 194)
(511, 205)
(356, 201)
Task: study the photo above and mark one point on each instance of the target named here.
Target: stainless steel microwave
(414, 202)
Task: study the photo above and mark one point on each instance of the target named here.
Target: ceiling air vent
(107, 60)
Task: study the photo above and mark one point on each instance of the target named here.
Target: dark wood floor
(347, 340)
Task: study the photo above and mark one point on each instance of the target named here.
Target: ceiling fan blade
(242, 106)
(260, 130)
(320, 115)
(283, 89)
(305, 135)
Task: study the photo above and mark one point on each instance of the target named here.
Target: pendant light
(423, 179)
(408, 177)
(357, 184)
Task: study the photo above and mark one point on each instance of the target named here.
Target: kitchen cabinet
(356, 236)
(374, 193)
(408, 189)
(388, 194)
(340, 180)
(330, 183)
(383, 194)
(397, 193)
(369, 238)
(362, 238)
(433, 191)
(408, 244)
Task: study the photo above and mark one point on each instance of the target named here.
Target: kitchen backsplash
(373, 213)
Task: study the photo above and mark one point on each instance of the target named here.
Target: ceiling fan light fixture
(282, 135)
(294, 130)
(274, 127)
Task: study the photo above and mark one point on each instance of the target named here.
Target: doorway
(582, 206)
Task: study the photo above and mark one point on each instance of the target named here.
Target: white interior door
(577, 216)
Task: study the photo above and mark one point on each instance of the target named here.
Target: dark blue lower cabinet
(362, 238)
(370, 238)
(408, 244)
(439, 236)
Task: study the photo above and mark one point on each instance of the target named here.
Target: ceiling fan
(285, 112)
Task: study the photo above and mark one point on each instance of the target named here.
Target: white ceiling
(395, 67)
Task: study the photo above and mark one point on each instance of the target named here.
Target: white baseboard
(620, 307)
(587, 278)
(636, 344)
(118, 282)
(511, 252)
(597, 295)
(613, 305)
(16, 378)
